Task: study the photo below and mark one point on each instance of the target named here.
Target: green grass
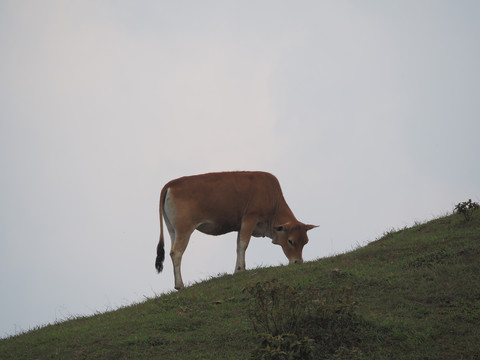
(417, 294)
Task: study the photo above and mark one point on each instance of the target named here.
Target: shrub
(276, 308)
(303, 323)
(467, 208)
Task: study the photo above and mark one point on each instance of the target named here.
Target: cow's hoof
(238, 269)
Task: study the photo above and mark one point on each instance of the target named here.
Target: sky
(367, 113)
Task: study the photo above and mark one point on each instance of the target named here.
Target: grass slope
(420, 286)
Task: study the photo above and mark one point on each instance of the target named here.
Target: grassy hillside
(416, 295)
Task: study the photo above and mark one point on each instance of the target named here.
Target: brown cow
(251, 203)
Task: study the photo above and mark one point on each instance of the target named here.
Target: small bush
(467, 208)
(303, 323)
(276, 308)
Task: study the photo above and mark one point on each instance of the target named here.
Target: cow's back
(224, 199)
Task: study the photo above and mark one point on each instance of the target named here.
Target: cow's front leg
(243, 239)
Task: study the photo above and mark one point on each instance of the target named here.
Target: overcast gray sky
(366, 111)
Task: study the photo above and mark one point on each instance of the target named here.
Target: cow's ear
(310, 227)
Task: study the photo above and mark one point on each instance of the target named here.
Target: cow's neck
(282, 216)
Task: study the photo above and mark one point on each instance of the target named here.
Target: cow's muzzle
(296, 261)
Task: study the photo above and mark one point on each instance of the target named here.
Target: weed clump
(466, 208)
(304, 323)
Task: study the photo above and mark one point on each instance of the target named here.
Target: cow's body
(217, 203)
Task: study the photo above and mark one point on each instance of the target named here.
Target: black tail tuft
(160, 258)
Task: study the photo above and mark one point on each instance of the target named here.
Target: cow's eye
(290, 242)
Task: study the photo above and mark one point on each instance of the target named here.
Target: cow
(251, 203)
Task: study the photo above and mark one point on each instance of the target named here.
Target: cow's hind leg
(243, 240)
(176, 253)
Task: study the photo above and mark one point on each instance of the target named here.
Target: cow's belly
(211, 228)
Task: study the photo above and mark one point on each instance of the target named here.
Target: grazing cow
(251, 203)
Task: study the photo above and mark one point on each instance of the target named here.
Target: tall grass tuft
(304, 322)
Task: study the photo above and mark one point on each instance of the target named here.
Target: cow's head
(292, 237)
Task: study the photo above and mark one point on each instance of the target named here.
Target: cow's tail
(161, 243)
